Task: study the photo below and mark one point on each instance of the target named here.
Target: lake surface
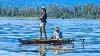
(12, 29)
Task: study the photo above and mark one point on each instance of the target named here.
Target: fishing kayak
(46, 41)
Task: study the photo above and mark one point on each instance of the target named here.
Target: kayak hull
(47, 41)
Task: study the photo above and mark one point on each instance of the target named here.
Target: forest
(86, 11)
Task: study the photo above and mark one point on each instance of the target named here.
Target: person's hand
(40, 18)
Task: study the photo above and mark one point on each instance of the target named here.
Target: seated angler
(57, 33)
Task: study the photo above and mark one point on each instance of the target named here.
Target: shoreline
(27, 17)
(18, 17)
(48, 18)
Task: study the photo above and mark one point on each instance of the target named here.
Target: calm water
(12, 29)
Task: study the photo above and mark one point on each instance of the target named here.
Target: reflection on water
(13, 29)
(42, 50)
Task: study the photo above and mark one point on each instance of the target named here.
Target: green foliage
(83, 11)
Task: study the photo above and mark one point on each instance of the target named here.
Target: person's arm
(42, 16)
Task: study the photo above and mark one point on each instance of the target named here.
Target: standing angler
(43, 22)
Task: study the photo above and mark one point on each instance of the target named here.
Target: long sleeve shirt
(57, 34)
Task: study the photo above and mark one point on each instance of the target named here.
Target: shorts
(42, 24)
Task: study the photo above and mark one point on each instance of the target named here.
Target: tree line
(88, 11)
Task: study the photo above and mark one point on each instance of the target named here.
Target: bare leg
(44, 31)
(40, 31)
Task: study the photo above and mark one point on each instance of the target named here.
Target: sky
(46, 2)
